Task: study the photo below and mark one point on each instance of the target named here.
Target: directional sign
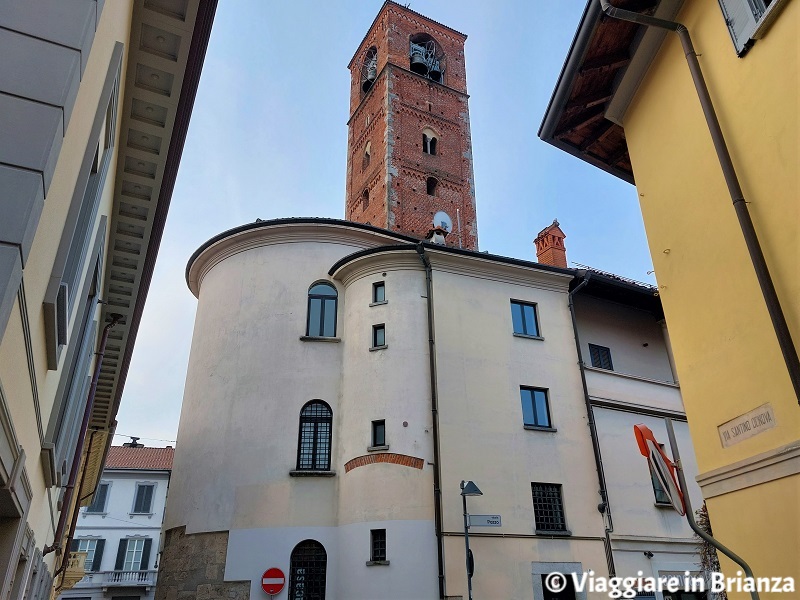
(661, 465)
(484, 521)
(272, 581)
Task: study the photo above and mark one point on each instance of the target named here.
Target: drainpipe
(437, 472)
(76, 460)
(604, 507)
(734, 189)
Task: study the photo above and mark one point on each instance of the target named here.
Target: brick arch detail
(384, 457)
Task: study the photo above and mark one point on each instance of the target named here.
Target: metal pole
(466, 541)
(676, 458)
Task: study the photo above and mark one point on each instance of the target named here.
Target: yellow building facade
(95, 99)
(626, 102)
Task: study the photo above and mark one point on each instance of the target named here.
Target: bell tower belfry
(409, 152)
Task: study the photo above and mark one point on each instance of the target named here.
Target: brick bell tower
(409, 152)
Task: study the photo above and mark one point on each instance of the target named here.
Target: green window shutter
(145, 554)
(123, 545)
(740, 17)
(73, 547)
(98, 555)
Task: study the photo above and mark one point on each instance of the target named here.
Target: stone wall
(192, 567)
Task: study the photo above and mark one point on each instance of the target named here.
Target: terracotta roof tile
(121, 457)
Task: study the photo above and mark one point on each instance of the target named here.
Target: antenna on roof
(133, 443)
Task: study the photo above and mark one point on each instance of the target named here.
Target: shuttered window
(744, 19)
(98, 505)
(143, 503)
(601, 357)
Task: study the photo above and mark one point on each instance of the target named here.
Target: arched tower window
(307, 571)
(369, 69)
(365, 200)
(321, 322)
(429, 141)
(425, 57)
(367, 156)
(430, 186)
(314, 445)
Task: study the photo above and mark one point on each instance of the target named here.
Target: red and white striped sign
(272, 581)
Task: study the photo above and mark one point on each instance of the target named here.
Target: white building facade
(120, 531)
(343, 381)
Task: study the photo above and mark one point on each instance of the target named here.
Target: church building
(347, 378)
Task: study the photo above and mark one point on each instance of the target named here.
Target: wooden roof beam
(604, 63)
(593, 115)
(597, 135)
(588, 100)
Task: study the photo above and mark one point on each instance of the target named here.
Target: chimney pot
(550, 249)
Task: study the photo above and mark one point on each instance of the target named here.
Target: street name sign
(484, 521)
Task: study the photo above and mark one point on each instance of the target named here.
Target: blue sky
(268, 139)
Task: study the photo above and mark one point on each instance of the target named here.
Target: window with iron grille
(143, 502)
(307, 571)
(535, 407)
(524, 318)
(378, 544)
(98, 505)
(601, 357)
(314, 446)
(379, 433)
(378, 335)
(322, 298)
(548, 507)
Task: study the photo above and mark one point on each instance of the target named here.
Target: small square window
(98, 505)
(378, 335)
(378, 433)
(379, 292)
(524, 318)
(601, 357)
(143, 503)
(548, 507)
(535, 407)
(378, 545)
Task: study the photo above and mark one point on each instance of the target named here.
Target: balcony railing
(129, 578)
(633, 390)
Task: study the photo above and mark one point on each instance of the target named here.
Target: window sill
(538, 428)
(377, 563)
(564, 533)
(87, 513)
(530, 337)
(378, 348)
(663, 505)
(311, 473)
(378, 448)
(133, 514)
(379, 303)
(314, 338)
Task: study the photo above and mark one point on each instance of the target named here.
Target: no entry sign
(272, 581)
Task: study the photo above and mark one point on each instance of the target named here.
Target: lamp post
(468, 488)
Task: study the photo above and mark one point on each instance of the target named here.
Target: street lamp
(468, 488)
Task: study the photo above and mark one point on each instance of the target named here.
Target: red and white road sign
(662, 466)
(272, 581)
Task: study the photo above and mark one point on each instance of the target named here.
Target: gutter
(604, 507)
(437, 469)
(757, 259)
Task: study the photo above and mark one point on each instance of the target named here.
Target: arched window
(307, 571)
(430, 185)
(425, 57)
(428, 141)
(321, 311)
(365, 200)
(367, 156)
(369, 69)
(314, 445)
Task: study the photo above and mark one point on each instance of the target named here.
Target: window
(430, 186)
(524, 318)
(747, 20)
(658, 489)
(314, 446)
(378, 292)
(568, 591)
(377, 545)
(94, 552)
(98, 505)
(307, 571)
(378, 433)
(321, 310)
(143, 502)
(429, 143)
(133, 554)
(548, 508)
(367, 155)
(601, 357)
(535, 407)
(378, 336)
(365, 200)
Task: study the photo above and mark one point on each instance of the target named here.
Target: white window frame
(152, 498)
(131, 552)
(90, 548)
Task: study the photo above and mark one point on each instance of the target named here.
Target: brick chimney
(550, 248)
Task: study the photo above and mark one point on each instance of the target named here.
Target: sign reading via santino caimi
(747, 425)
